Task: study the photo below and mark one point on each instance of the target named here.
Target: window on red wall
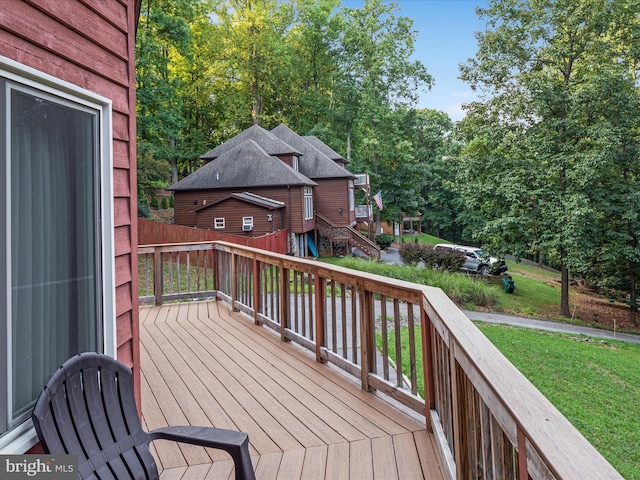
(308, 203)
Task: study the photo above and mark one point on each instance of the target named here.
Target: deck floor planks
(331, 428)
(268, 466)
(217, 391)
(339, 392)
(265, 409)
(407, 458)
(265, 391)
(205, 351)
(338, 461)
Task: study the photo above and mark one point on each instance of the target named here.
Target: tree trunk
(564, 295)
(633, 306)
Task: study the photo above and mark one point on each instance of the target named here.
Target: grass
(536, 294)
(461, 288)
(594, 384)
(423, 239)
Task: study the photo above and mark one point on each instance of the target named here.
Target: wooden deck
(205, 365)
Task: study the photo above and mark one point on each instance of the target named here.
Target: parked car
(475, 260)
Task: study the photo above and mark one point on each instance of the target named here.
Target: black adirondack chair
(87, 408)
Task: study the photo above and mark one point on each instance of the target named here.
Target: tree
(375, 83)
(542, 66)
(436, 149)
(163, 31)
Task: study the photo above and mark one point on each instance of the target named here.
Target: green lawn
(594, 384)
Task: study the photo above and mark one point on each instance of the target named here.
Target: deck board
(204, 364)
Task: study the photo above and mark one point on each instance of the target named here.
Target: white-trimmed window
(218, 223)
(56, 236)
(295, 162)
(247, 224)
(308, 203)
(352, 196)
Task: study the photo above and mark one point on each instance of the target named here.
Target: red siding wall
(292, 216)
(152, 233)
(232, 210)
(330, 196)
(91, 43)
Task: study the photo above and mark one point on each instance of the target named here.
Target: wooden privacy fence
(489, 421)
(150, 232)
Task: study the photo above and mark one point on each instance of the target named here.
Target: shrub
(447, 260)
(143, 208)
(410, 253)
(172, 200)
(164, 203)
(384, 240)
(154, 202)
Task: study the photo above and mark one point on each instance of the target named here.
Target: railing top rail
(564, 449)
(176, 247)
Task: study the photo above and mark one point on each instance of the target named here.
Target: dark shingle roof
(267, 140)
(324, 148)
(313, 163)
(246, 165)
(247, 197)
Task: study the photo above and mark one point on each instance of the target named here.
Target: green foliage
(154, 202)
(547, 153)
(384, 240)
(164, 203)
(143, 207)
(443, 260)
(410, 253)
(460, 288)
(171, 200)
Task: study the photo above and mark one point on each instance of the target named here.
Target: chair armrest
(234, 443)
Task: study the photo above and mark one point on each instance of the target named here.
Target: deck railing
(489, 421)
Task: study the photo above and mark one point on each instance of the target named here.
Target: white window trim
(215, 223)
(20, 439)
(308, 197)
(247, 221)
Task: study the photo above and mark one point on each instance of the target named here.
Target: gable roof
(247, 197)
(314, 163)
(324, 148)
(267, 140)
(244, 166)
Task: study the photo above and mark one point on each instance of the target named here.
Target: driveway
(552, 326)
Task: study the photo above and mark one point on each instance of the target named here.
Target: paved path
(552, 326)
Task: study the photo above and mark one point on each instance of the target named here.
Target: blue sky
(445, 39)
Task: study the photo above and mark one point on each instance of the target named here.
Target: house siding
(330, 196)
(233, 210)
(185, 202)
(91, 44)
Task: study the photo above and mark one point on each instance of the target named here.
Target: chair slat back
(88, 408)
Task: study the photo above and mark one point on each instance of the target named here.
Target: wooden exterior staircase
(328, 234)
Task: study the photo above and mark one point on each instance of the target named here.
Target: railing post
(320, 317)
(158, 276)
(256, 290)
(427, 363)
(234, 281)
(367, 355)
(284, 301)
(455, 412)
(215, 267)
(523, 473)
